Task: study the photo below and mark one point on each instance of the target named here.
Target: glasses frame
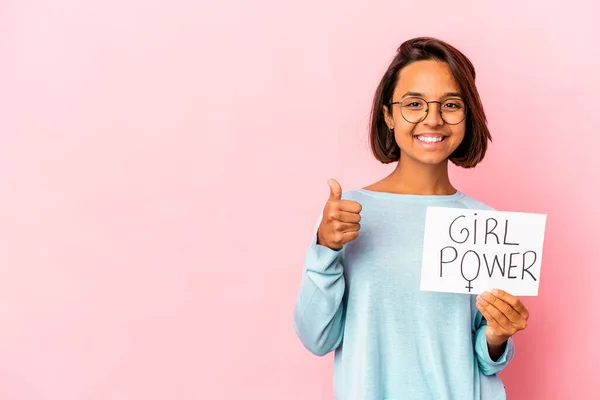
(427, 110)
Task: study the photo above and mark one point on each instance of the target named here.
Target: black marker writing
(488, 232)
(530, 265)
(506, 233)
(442, 262)
(462, 268)
(495, 261)
(505, 265)
(510, 265)
(462, 231)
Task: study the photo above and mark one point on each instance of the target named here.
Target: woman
(360, 291)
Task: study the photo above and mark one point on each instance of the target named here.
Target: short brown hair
(472, 149)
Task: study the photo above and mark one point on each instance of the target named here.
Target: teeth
(428, 139)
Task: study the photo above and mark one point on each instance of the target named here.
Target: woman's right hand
(341, 219)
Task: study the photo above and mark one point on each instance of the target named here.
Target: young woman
(360, 290)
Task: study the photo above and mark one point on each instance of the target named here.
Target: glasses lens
(413, 109)
(453, 111)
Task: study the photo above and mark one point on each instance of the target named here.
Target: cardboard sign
(472, 251)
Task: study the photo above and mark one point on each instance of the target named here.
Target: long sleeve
(488, 366)
(319, 311)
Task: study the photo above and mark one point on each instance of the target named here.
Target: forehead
(432, 78)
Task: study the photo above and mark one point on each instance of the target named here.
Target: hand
(340, 222)
(505, 315)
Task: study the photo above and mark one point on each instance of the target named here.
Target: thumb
(335, 190)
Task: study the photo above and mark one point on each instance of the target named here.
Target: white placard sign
(472, 251)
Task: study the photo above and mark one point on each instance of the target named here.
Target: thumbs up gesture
(341, 219)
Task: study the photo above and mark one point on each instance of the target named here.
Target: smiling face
(430, 140)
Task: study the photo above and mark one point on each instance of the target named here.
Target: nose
(433, 117)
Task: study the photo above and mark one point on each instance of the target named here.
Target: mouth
(431, 138)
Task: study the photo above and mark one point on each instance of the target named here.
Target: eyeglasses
(415, 109)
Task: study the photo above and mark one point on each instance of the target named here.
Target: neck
(411, 177)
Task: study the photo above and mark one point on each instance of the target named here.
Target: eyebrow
(447, 94)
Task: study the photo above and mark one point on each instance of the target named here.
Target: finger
(514, 302)
(350, 206)
(349, 236)
(342, 238)
(349, 217)
(346, 227)
(497, 316)
(334, 214)
(505, 308)
(491, 321)
(335, 190)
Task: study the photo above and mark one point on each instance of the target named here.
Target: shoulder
(354, 194)
(472, 203)
(364, 196)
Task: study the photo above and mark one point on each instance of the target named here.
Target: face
(432, 140)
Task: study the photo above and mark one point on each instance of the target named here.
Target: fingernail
(479, 299)
(495, 291)
(485, 295)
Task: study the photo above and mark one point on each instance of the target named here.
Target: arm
(505, 315)
(319, 312)
(491, 359)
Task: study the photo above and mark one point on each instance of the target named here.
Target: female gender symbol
(470, 268)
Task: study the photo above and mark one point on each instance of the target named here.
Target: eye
(453, 105)
(413, 103)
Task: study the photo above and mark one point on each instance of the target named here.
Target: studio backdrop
(163, 163)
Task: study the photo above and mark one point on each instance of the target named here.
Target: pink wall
(162, 165)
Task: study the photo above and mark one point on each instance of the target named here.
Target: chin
(431, 158)
(432, 161)
(428, 156)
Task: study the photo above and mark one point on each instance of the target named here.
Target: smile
(431, 139)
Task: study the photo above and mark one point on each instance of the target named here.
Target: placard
(472, 251)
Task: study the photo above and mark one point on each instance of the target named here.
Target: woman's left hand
(505, 315)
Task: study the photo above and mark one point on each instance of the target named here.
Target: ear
(388, 117)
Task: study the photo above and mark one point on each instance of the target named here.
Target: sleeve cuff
(321, 258)
(486, 364)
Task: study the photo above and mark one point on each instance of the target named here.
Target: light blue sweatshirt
(391, 340)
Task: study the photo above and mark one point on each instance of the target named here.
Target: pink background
(162, 165)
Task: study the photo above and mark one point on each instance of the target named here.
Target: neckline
(413, 197)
